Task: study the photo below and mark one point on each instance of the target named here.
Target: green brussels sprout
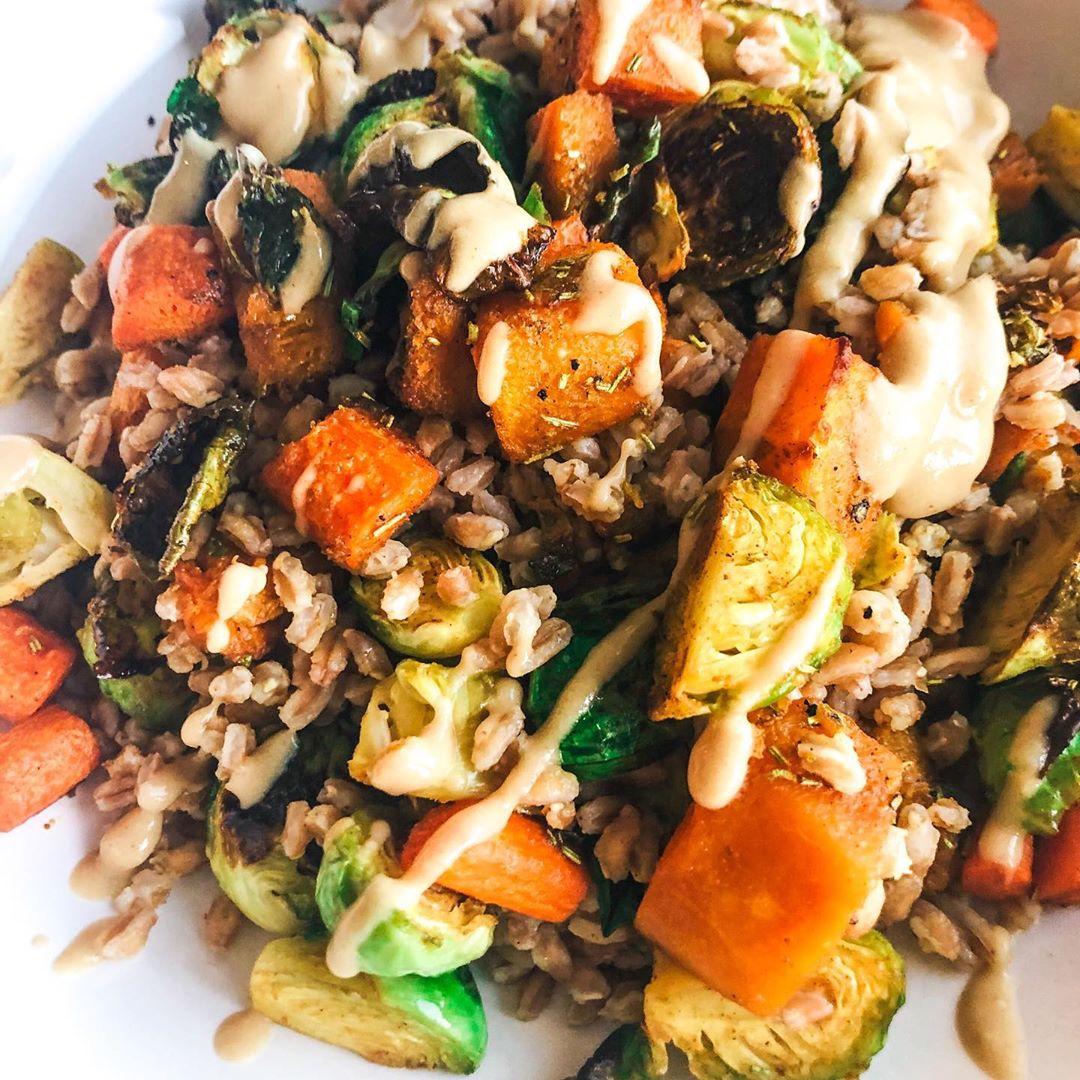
(885, 556)
(743, 163)
(760, 556)
(1030, 617)
(132, 186)
(30, 310)
(624, 1055)
(1056, 146)
(814, 52)
(434, 710)
(219, 12)
(995, 719)
(441, 933)
(119, 642)
(380, 120)
(407, 1023)
(52, 516)
(864, 981)
(613, 734)
(186, 475)
(436, 630)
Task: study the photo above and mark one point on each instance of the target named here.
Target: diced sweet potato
(1010, 440)
(127, 401)
(112, 242)
(314, 187)
(33, 664)
(751, 897)
(807, 442)
(658, 64)
(574, 148)
(287, 350)
(570, 234)
(167, 285)
(437, 376)
(352, 482)
(991, 880)
(249, 633)
(547, 382)
(1016, 174)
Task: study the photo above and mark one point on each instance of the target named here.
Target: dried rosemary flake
(473, 333)
(635, 62)
(564, 381)
(34, 645)
(623, 538)
(390, 525)
(778, 754)
(556, 421)
(784, 774)
(699, 343)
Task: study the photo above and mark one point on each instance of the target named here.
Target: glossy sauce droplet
(988, 1022)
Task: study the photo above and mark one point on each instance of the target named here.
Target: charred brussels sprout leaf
(533, 203)
(659, 243)
(608, 218)
(436, 630)
(723, 1041)
(406, 1023)
(885, 556)
(132, 186)
(192, 107)
(397, 86)
(360, 311)
(741, 162)
(272, 216)
(617, 901)
(1025, 311)
(185, 476)
(624, 1055)
(219, 12)
(440, 933)
(379, 120)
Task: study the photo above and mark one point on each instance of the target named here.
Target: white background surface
(78, 81)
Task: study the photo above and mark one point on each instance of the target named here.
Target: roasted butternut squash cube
(437, 375)
(352, 482)
(647, 67)
(806, 442)
(550, 378)
(752, 897)
(127, 400)
(574, 148)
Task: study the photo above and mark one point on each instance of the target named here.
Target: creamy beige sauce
(92, 879)
(299, 497)
(720, 757)
(180, 198)
(684, 68)
(1003, 837)
(129, 842)
(834, 759)
(85, 951)
(491, 371)
(257, 773)
(383, 52)
(306, 278)
(118, 262)
(988, 1023)
(925, 432)
(616, 17)
(800, 196)
(239, 583)
(242, 1035)
(160, 790)
(19, 458)
(419, 761)
(484, 820)
(611, 306)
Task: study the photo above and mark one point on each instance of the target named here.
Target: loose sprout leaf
(1006, 483)
(533, 203)
(359, 312)
(190, 106)
(606, 217)
(398, 86)
(219, 12)
(132, 186)
(617, 901)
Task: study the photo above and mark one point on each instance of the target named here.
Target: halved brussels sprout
(52, 516)
(131, 187)
(30, 309)
(185, 476)
(995, 720)
(441, 933)
(416, 735)
(436, 630)
(659, 243)
(1031, 615)
(815, 55)
(380, 120)
(406, 1023)
(624, 1055)
(1056, 146)
(760, 556)
(743, 163)
(863, 980)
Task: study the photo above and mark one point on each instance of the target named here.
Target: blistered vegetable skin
(407, 1023)
(266, 885)
(30, 309)
(362, 480)
(52, 516)
(761, 554)
(864, 979)
(727, 157)
(1056, 146)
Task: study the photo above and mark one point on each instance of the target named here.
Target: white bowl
(84, 82)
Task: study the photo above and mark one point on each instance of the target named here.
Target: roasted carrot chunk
(522, 869)
(806, 443)
(990, 880)
(547, 381)
(751, 897)
(575, 149)
(168, 285)
(979, 22)
(352, 482)
(33, 664)
(657, 63)
(437, 376)
(41, 759)
(1057, 862)
(1016, 174)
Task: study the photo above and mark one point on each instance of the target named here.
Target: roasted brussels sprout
(185, 476)
(441, 933)
(30, 309)
(863, 980)
(436, 630)
(608, 216)
(1056, 146)
(380, 120)
(219, 12)
(659, 244)
(360, 313)
(743, 163)
(407, 1023)
(416, 735)
(1025, 310)
(884, 557)
(52, 516)
(614, 733)
(132, 186)
(624, 1055)
(812, 52)
(1030, 617)
(995, 720)
(760, 556)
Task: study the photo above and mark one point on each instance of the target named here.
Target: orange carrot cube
(33, 663)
